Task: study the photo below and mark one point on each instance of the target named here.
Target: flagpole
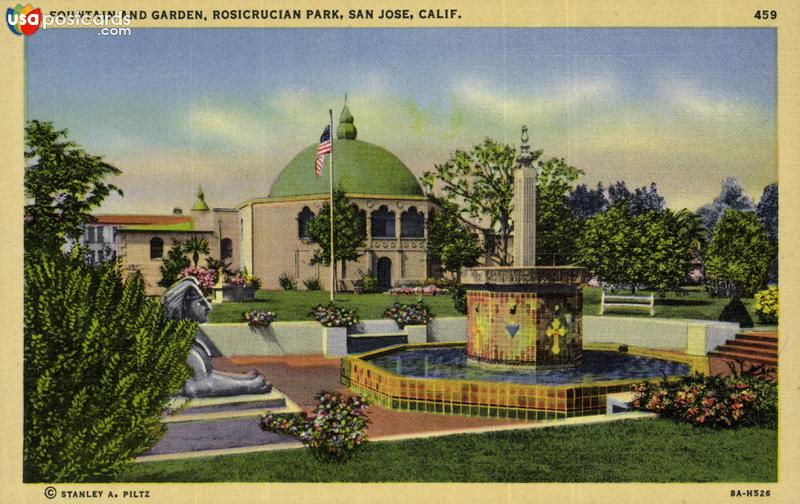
(333, 261)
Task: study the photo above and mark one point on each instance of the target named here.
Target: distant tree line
(625, 236)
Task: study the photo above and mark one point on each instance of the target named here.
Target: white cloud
(690, 97)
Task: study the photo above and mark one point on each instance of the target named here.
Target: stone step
(743, 349)
(754, 344)
(767, 337)
(233, 406)
(744, 357)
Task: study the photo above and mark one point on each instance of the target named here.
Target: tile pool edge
(513, 401)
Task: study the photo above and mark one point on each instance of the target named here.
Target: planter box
(238, 293)
(417, 334)
(334, 341)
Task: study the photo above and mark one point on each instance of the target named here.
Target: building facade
(274, 230)
(269, 235)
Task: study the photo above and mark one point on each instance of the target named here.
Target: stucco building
(274, 232)
(269, 235)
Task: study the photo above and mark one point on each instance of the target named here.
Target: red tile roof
(128, 219)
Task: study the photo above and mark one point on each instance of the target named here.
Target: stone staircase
(751, 347)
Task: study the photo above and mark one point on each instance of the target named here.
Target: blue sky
(229, 108)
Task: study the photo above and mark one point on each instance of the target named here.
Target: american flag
(323, 148)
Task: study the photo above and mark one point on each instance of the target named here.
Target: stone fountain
(524, 315)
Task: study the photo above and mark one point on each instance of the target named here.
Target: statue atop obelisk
(525, 206)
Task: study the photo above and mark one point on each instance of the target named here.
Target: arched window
(412, 224)
(303, 218)
(362, 217)
(226, 248)
(156, 248)
(382, 223)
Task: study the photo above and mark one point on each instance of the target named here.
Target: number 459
(766, 14)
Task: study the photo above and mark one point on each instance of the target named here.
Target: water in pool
(451, 363)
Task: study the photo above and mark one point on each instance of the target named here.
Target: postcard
(389, 251)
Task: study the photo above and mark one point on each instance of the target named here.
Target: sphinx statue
(186, 300)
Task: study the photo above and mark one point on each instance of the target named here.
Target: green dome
(359, 167)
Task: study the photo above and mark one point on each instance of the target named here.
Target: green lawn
(694, 303)
(635, 450)
(295, 305)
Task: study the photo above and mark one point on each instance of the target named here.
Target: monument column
(525, 206)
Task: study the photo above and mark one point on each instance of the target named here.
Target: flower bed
(259, 318)
(333, 431)
(748, 399)
(428, 290)
(332, 315)
(409, 314)
(205, 276)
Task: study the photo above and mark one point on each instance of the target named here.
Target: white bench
(634, 302)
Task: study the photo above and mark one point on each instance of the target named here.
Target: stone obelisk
(524, 206)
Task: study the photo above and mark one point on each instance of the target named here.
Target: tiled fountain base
(517, 401)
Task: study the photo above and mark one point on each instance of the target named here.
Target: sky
(228, 108)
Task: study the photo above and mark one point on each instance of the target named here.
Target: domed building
(274, 230)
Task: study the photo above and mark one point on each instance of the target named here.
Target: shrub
(313, 284)
(766, 305)
(219, 265)
(459, 294)
(101, 363)
(409, 314)
(287, 282)
(332, 315)
(259, 318)
(370, 284)
(367, 282)
(735, 311)
(745, 399)
(206, 277)
(333, 431)
(175, 262)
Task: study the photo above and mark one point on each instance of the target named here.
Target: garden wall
(660, 334)
(299, 338)
(447, 330)
(280, 338)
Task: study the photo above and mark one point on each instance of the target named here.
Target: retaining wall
(280, 338)
(299, 338)
(655, 333)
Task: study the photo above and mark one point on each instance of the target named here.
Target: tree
(175, 262)
(196, 245)
(731, 196)
(556, 225)
(585, 202)
(738, 258)
(451, 242)
(481, 184)
(767, 212)
(101, 364)
(642, 199)
(63, 184)
(349, 230)
(646, 249)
